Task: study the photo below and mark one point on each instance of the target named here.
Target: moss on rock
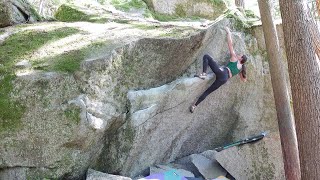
(22, 44)
(164, 17)
(73, 113)
(149, 4)
(68, 61)
(16, 47)
(240, 22)
(126, 5)
(2, 31)
(180, 11)
(67, 13)
(35, 14)
(11, 111)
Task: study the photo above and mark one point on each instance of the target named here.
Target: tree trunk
(281, 95)
(304, 71)
(318, 6)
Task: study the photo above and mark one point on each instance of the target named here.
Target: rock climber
(235, 66)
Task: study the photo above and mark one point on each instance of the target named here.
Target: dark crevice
(25, 15)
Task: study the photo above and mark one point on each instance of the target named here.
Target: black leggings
(222, 76)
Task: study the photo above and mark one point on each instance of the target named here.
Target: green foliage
(11, 112)
(229, 2)
(101, 1)
(70, 13)
(35, 14)
(126, 5)
(241, 24)
(164, 17)
(179, 10)
(67, 13)
(144, 26)
(250, 14)
(149, 3)
(147, 14)
(73, 113)
(217, 2)
(195, 18)
(2, 31)
(121, 21)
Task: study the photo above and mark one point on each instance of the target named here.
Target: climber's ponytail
(244, 69)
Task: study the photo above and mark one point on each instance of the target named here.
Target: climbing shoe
(192, 108)
(201, 76)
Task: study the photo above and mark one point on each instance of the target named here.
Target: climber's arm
(243, 79)
(229, 39)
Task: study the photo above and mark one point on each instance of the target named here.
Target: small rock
(186, 163)
(260, 160)
(210, 154)
(221, 178)
(162, 168)
(208, 168)
(96, 175)
(24, 64)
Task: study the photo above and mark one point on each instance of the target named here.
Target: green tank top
(233, 68)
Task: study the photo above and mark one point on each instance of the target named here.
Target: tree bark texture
(318, 6)
(304, 72)
(314, 30)
(281, 95)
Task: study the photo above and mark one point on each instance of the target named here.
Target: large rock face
(207, 9)
(16, 12)
(51, 133)
(128, 109)
(161, 127)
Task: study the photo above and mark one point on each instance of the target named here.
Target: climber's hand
(227, 29)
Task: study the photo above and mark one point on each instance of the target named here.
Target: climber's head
(243, 59)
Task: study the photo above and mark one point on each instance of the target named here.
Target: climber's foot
(192, 108)
(201, 76)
